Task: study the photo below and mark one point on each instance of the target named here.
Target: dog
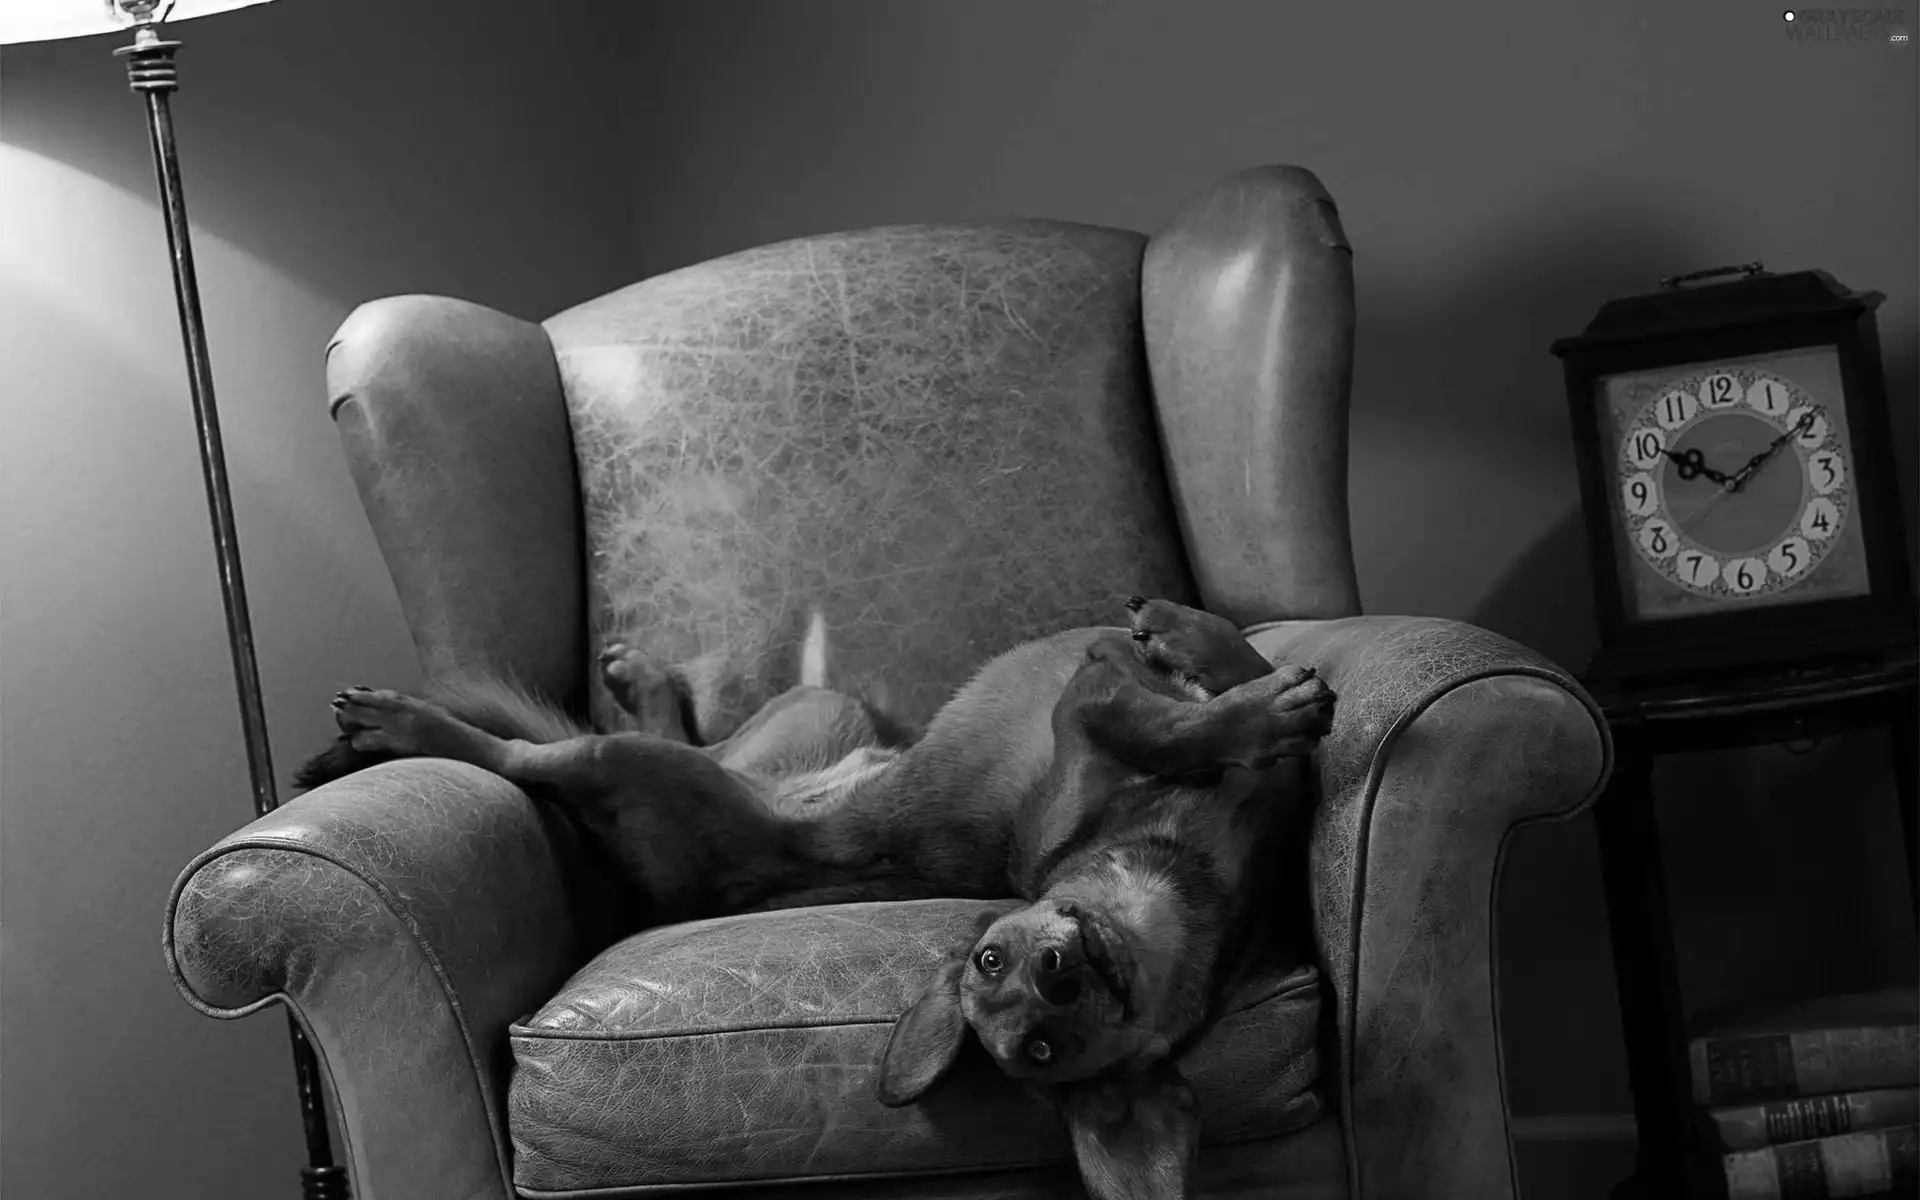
(1153, 863)
(1131, 784)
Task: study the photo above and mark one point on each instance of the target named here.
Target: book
(1883, 1162)
(1748, 1127)
(1858, 1042)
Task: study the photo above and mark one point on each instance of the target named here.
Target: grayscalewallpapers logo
(1847, 25)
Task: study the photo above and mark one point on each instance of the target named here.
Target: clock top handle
(1668, 282)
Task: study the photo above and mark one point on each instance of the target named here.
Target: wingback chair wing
(950, 438)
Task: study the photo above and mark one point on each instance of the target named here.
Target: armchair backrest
(948, 438)
(952, 438)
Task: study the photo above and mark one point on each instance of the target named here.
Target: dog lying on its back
(1154, 863)
(1137, 787)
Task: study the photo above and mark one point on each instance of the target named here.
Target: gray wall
(332, 153)
(1501, 169)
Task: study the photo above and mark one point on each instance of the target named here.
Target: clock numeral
(1639, 494)
(1698, 569)
(1815, 434)
(1675, 409)
(1657, 538)
(1745, 575)
(1827, 471)
(1646, 447)
(1790, 557)
(1821, 520)
(1718, 391)
(1769, 396)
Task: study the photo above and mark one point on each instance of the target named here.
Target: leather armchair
(951, 438)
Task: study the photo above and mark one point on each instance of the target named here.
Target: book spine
(1780, 1066)
(1753, 1126)
(1881, 1163)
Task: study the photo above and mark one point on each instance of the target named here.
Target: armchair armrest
(405, 915)
(1446, 738)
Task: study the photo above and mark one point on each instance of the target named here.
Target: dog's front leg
(1136, 1137)
(1253, 725)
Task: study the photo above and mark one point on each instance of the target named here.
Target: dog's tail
(816, 670)
(813, 651)
(499, 706)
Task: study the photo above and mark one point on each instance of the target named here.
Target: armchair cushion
(744, 1050)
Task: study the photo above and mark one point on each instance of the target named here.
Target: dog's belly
(815, 793)
(996, 734)
(945, 809)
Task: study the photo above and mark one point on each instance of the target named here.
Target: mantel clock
(1737, 475)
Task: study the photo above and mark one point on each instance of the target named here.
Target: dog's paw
(626, 673)
(380, 720)
(1295, 709)
(651, 695)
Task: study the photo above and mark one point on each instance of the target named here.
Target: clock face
(1733, 484)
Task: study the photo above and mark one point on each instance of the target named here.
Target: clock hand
(1759, 460)
(1738, 480)
(1693, 464)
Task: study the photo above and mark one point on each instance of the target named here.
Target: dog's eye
(989, 960)
(1050, 960)
(1039, 1050)
(1142, 636)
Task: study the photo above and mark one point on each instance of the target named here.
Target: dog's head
(1056, 991)
(1067, 998)
(1201, 653)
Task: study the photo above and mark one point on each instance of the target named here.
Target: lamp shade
(46, 20)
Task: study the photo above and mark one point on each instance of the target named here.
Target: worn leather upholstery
(746, 1049)
(406, 914)
(873, 424)
(532, 487)
(1445, 740)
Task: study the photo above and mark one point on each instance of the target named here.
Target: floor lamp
(151, 73)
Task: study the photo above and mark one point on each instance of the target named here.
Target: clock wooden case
(1737, 474)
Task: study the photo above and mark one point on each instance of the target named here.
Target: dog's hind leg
(656, 699)
(391, 722)
(382, 721)
(691, 836)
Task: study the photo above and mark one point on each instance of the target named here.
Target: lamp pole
(151, 73)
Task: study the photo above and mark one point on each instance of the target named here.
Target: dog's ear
(1135, 1137)
(927, 1037)
(925, 1040)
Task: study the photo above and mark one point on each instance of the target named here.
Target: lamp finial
(139, 12)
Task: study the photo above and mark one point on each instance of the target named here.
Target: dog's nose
(1058, 990)
(1056, 976)
(1055, 959)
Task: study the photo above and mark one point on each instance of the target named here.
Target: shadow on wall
(1464, 490)
(1545, 599)
(1902, 365)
